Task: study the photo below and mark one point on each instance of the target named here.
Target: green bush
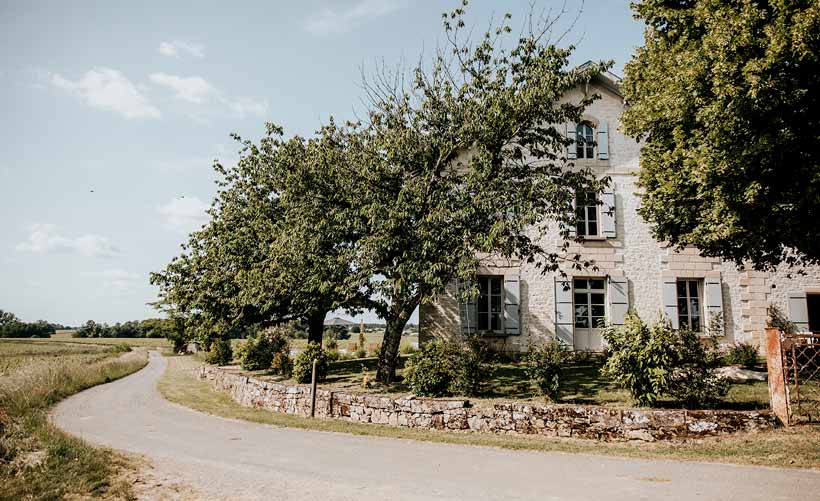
(333, 355)
(443, 368)
(282, 364)
(121, 348)
(657, 361)
(778, 320)
(303, 364)
(220, 352)
(257, 353)
(407, 349)
(331, 344)
(744, 354)
(543, 366)
(360, 353)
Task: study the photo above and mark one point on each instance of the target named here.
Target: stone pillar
(777, 382)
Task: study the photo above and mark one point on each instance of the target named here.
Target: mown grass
(798, 447)
(147, 342)
(37, 460)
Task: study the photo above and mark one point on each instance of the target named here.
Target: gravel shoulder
(229, 459)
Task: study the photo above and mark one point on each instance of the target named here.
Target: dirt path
(228, 459)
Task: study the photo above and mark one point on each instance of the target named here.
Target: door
(589, 298)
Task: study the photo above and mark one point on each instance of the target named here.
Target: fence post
(777, 382)
(313, 390)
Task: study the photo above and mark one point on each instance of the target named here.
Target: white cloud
(109, 90)
(184, 213)
(197, 90)
(332, 21)
(46, 239)
(175, 48)
(120, 280)
(192, 89)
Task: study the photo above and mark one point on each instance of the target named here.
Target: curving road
(229, 459)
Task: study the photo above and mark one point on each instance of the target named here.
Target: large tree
(726, 96)
(467, 158)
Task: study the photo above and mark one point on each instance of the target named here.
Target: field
(65, 336)
(38, 461)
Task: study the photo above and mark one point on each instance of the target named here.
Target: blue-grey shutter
(670, 300)
(564, 318)
(571, 133)
(571, 228)
(608, 221)
(467, 310)
(512, 303)
(603, 141)
(618, 299)
(713, 296)
(799, 311)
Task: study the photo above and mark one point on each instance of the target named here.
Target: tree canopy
(726, 97)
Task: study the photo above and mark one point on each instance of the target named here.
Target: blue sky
(113, 111)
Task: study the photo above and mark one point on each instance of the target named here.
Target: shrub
(303, 364)
(331, 344)
(337, 332)
(220, 352)
(658, 361)
(744, 354)
(543, 366)
(373, 349)
(121, 348)
(256, 353)
(333, 355)
(407, 349)
(779, 321)
(282, 364)
(360, 353)
(443, 368)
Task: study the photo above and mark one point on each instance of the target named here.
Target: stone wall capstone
(579, 421)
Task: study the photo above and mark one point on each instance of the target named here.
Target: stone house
(518, 304)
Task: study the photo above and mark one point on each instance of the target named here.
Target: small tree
(544, 366)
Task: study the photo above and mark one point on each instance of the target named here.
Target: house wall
(633, 254)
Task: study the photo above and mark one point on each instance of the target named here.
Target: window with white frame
(689, 304)
(586, 215)
(589, 301)
(490, 304)
(584, 141)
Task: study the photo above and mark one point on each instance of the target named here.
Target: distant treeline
(11, 326)
(150, 328)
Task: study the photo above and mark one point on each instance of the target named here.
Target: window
(586, 215)
(813, 307)
(584, 141)
(588, 296)
(689, 310)
(490, 304)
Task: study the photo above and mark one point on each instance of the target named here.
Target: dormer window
(584, 141)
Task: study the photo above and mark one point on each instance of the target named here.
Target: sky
(112, 112)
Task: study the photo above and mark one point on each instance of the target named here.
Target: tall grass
(38, 461)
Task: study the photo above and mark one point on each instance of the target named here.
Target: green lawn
(65, 337)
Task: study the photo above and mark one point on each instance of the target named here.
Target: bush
(282, 364)
(337, 332)
(779, 321)
(257, 353)
(333, 355)
(360, 353)
(303, 364)
(543, 366)
(373, 349)
(331, 344)
(121, 348)
(657, 361)
(443, 368)
(744, 354)
(220, 352)
(407, 349)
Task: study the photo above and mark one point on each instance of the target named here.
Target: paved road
(229, 459)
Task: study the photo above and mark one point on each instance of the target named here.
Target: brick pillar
(777, 382)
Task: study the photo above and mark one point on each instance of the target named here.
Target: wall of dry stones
(592, 422)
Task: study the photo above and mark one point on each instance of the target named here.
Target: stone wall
(458, 415)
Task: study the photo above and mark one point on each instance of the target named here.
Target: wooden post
(777, 381)
(313, 390)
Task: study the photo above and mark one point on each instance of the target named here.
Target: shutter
(512, 303)
(564, 317)
(608, 222)
(572, 230)
(467, 310)
(570, 128)
(670, 300)
(799, 311)
(713, 295)
(618, 299)
(603, 141)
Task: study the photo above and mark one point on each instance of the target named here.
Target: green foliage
(778, 320)
(724, 94)
(256, 353)
(407, 349)
(443, 368)
(282, 364)
(121, 348)
(331, 344)
(743, 354)
(337, 332)
(655, 361)
(11, 326)
(220, 352)
(544, 365)
(303, 364)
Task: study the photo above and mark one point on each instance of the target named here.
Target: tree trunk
(316, 326)
(389, 354)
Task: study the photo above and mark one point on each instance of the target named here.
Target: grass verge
(37, 460)
(798, 447)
